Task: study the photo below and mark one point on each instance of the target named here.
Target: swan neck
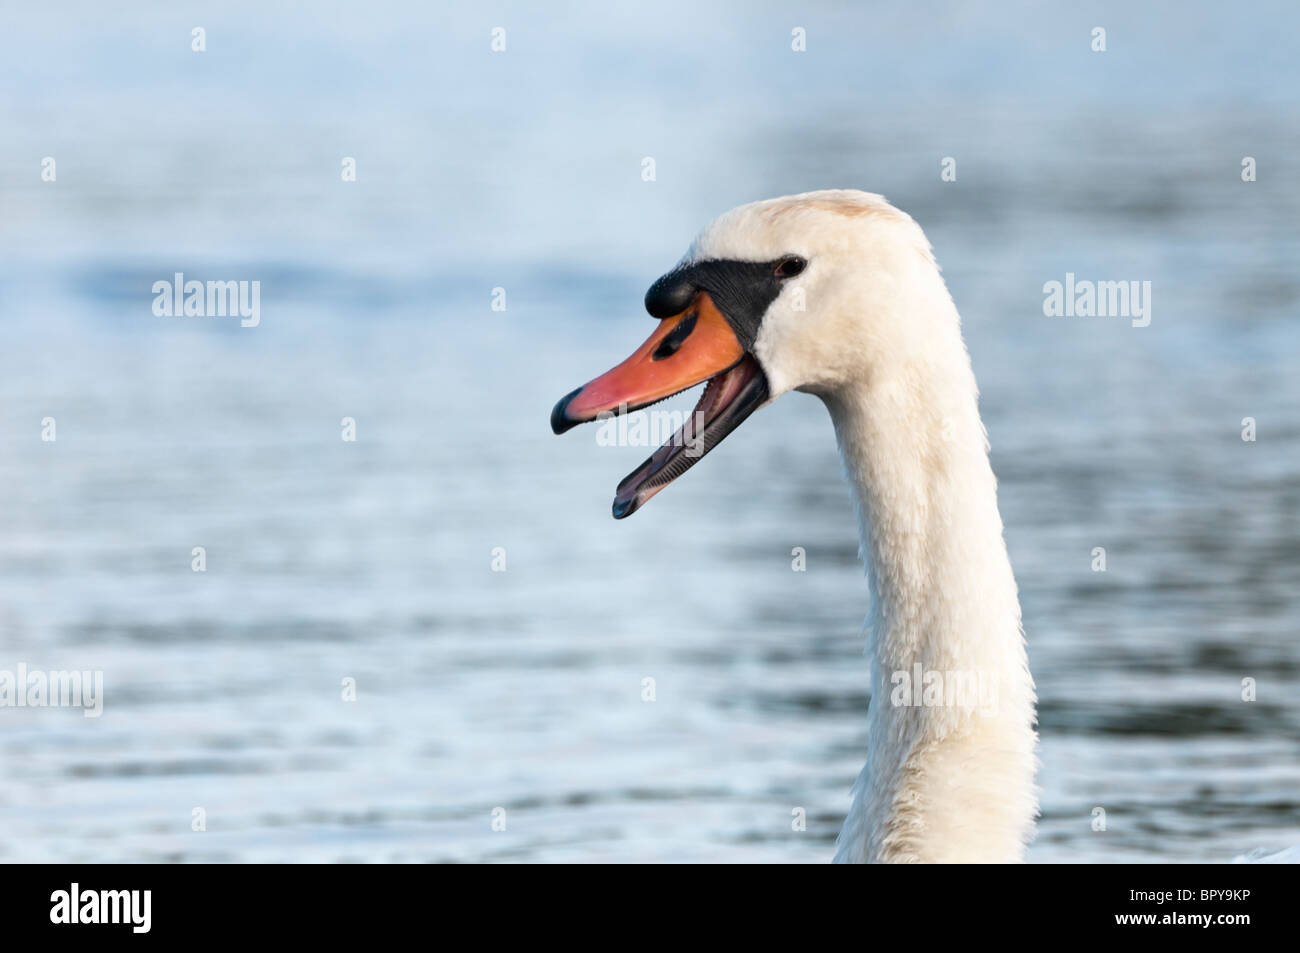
(949, 775)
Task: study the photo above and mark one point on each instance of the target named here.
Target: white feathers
(873, 332)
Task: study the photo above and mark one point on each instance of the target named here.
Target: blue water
(373, 560)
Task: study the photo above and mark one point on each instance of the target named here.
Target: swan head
(795, 293)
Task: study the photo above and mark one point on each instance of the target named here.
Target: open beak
(686, 349)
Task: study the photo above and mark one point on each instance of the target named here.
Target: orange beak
(686, 349)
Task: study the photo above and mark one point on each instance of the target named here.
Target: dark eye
(789, 267)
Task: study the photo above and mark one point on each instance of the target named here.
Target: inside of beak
(684, 350)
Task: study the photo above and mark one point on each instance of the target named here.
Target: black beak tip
(624, 508)
(560, 421)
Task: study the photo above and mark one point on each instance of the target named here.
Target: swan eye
(789, 267)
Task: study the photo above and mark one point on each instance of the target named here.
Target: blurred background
(522, 170)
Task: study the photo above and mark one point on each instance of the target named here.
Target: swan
(837, 294)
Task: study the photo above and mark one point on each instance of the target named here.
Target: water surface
(372, 560)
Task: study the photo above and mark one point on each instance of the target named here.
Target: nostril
(669, 345)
